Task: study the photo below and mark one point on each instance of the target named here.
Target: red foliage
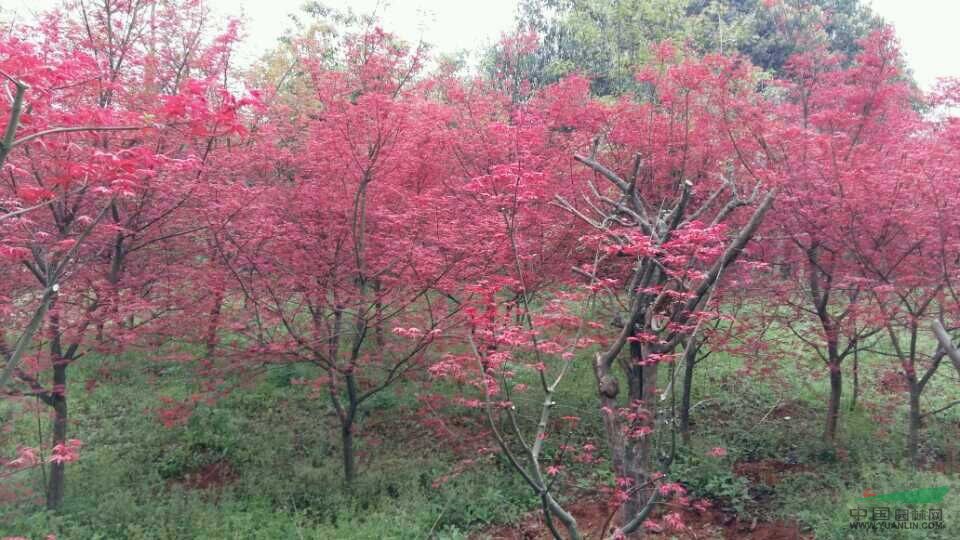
(401, 225)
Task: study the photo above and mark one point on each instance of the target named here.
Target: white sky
(928, 35)
(927, 28)
(449, 25)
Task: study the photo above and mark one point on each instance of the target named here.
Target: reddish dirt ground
(592, 515)
(768, 472)
(212, 476)
(714, 523)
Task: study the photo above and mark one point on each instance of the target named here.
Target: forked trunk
(630, 443)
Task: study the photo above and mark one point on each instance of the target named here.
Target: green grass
(283, 451)
(749, 416)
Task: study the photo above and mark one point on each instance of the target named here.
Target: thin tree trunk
(833, 406)
(378, 334)
(349, 459)
(347, 424)
(689, 361)
(57, 478)
(213, 325)
(23, 342)
(856, 380)
(913, 437)
(552, 508)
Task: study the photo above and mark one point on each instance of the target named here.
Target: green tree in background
(608, 39)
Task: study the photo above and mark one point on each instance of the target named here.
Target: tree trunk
(833, 406)
(552, 508)
(378, 335)
(637, 451)
(856, 380)
(213, 326)
(913, 437)
(57, 478)
(689, 360)
(348, 421)
(349, 459)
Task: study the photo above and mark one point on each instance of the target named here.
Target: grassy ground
(264, 462)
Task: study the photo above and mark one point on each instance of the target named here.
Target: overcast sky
(927, 28)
